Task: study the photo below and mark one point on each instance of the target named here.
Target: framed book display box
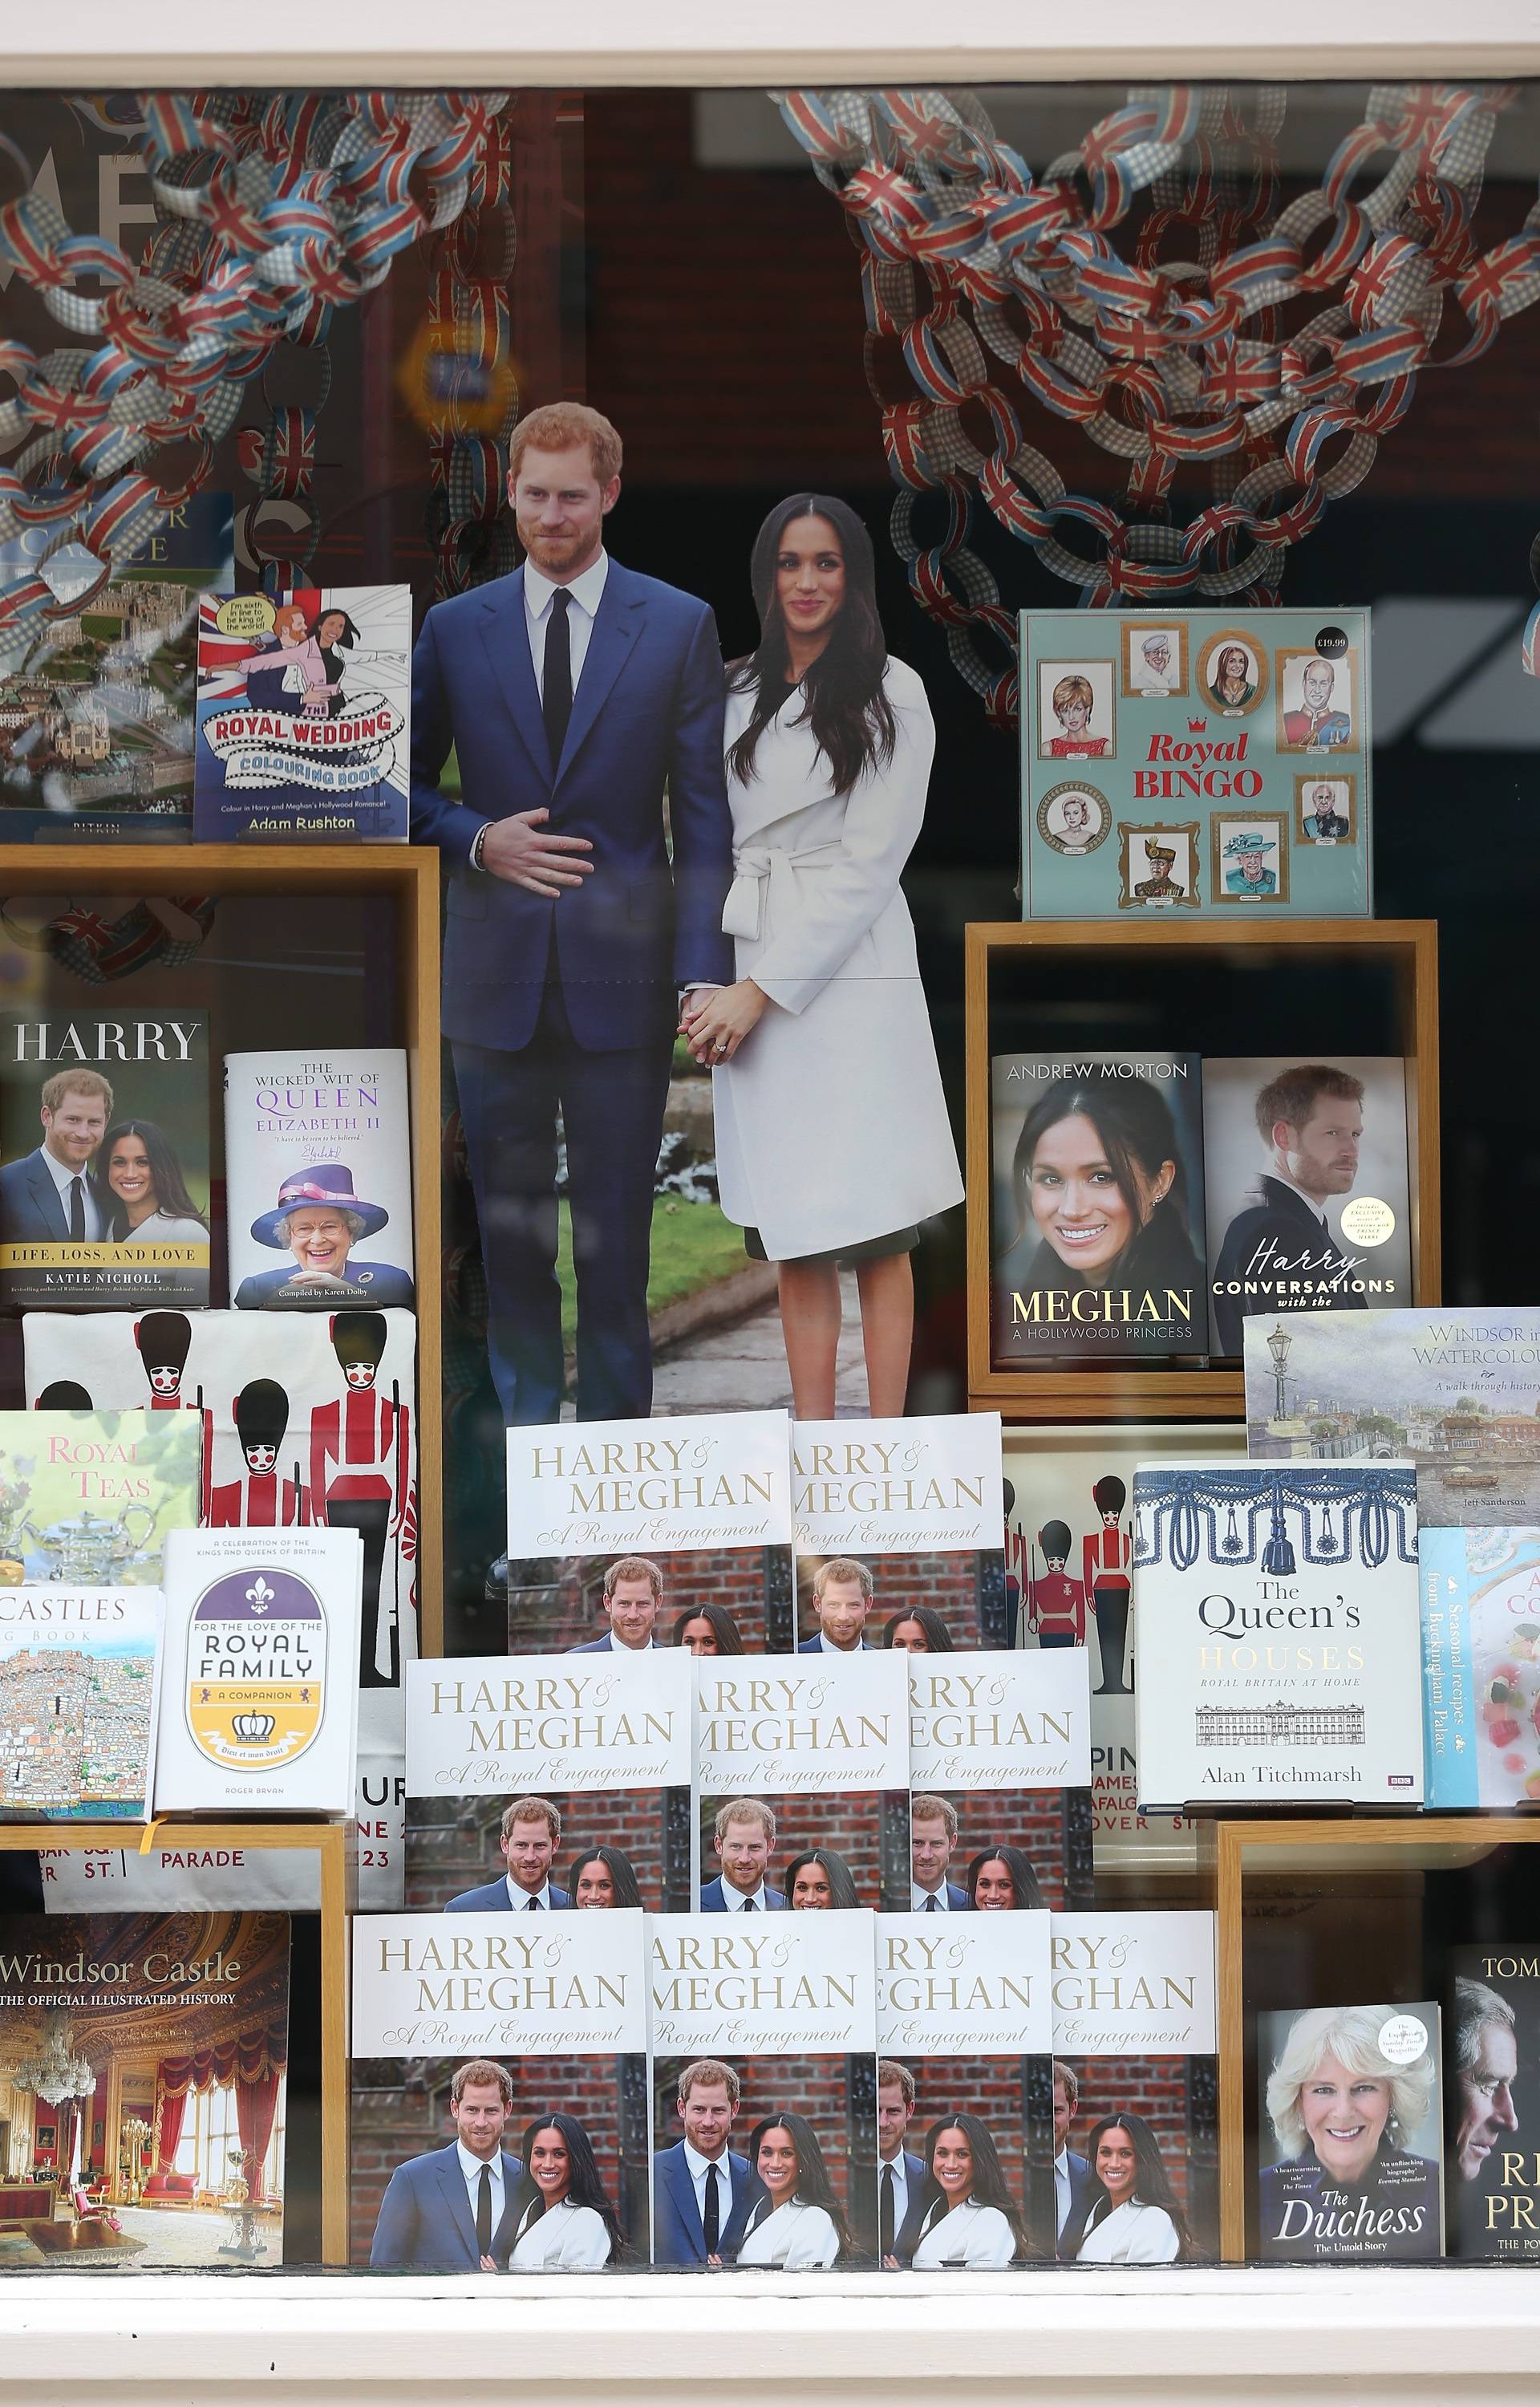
(1041, 997)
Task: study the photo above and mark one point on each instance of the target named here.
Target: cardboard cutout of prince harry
(574, 693)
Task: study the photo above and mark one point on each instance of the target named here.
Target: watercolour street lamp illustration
(1278, 1346)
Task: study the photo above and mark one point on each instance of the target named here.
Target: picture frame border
(1216, 642)
(1286, 751)
(1075, 666)
(1128, 901)
(1348, 777)
(1232, 818)
(1132, 627)
(1072, 786)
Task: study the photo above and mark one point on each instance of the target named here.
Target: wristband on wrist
(477, 842)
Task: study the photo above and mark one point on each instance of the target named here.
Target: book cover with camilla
(1351, 2134)
(318, 1179)
(303, 709)
(1096, 1208)
(104, 1158)
(1278, 1610)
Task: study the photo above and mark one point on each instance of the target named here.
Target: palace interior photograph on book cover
(770, 1323)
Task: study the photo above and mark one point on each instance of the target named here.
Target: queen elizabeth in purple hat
(319, 1219)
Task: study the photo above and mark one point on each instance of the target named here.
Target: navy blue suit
(386, 1286)
(493, 1898)
(1079, 2174)
(31, 1207)
(957, 1900)
(425, 2218)
(914, 2179)
(605, 1645)
(712, 1900)
(677, 2236)
(569, 1004)
(814, 1646)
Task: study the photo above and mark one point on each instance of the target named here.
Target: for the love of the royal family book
(304, 705)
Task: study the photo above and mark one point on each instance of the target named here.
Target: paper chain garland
(281, 207)
(998, 290)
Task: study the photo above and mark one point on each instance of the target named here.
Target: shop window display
(766, 868)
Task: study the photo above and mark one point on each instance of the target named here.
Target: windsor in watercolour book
(1279, 1633)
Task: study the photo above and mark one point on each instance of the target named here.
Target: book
(1069, 1580)
(595, 1750)
(638, 1533)
(965, 2043)
(1481, 1665)
(148, 2056)
(993, 1741)
(1350, 2129)
(88, 1499)
(903, 1520)
(1195, 763)
(97, 700)
(801, 1774)
(104, 1157)
(304, 712)
(262, 1644)
(1453, 1392)
(307, 1420)
(318, 1166)
(522, 2041)
(79, 1694)
(1491, 2016)
(1096, 1208)
(764, 2063)
(1278, 1629)
(1135, 2095)
(1287, 1145)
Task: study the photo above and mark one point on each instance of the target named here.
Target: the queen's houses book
(1279, 1659)
(1481, 1665)
(262, 1656)
(79, 1684)
(1096, 1208)
(1350, 2133)
(104, 1156)
(319, 1176)
(1491, 2016)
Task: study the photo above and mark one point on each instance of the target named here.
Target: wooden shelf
(1110, 965)
(406, 875)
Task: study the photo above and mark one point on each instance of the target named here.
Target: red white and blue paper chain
(996, 289)
(279, 209)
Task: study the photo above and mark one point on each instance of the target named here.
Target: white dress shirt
(919, 1899)
(735, 1900)
(586, 592)
(827, 1645)
(895, 2165)
(699, 2167)
(63, 1176)
(522, 1898)
(472, 2168)
(565, 2239)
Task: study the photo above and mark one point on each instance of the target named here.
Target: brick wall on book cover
(994, 2087)
(836, 2093)
(402, 2110)
(556, 1603)
(452, 1842)
(968, 1590)
(1154, 2087)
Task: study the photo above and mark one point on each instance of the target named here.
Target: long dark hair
(1151, 2186)
(584, 2187)
(842, 1882)
(843, 698)
(938, 1636)
(1134, 1124)
(989, 2182)
(728, 1641)
(620, 1868)
(1026, 1893)
(165, 1171)
(814, 2186)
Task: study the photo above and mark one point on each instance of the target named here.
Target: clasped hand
(520, 850)
(717, 1018)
